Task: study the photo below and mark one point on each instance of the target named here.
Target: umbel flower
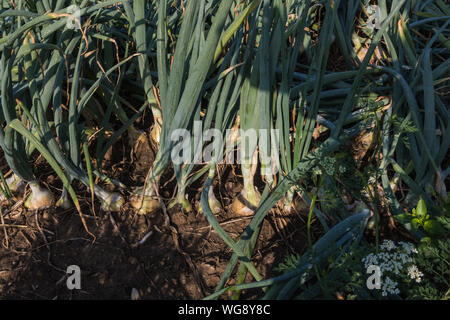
(396, 263)
(389, 287)
(414, 273)
(388, 245)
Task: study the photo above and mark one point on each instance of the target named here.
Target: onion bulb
(39, 198)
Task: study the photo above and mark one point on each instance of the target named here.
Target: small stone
(132, 260)
(46, 215)
(183, 279)
(208, 269)
(135, 294)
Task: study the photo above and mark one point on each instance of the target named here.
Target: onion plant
(68, 90)
(46, 94)
(306, 118)
(181, 86)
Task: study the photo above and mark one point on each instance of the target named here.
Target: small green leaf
(433, 227)
(415, 223)
(424, 246)
(421, 208)
(403, 218)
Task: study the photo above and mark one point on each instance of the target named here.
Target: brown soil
(183, 258)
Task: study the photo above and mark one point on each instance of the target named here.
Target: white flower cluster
(388, 245)
(342, 169)
(389, 287)
(414, 273)
(408, 247)
(392, 259)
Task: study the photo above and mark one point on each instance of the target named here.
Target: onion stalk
(248, 200)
